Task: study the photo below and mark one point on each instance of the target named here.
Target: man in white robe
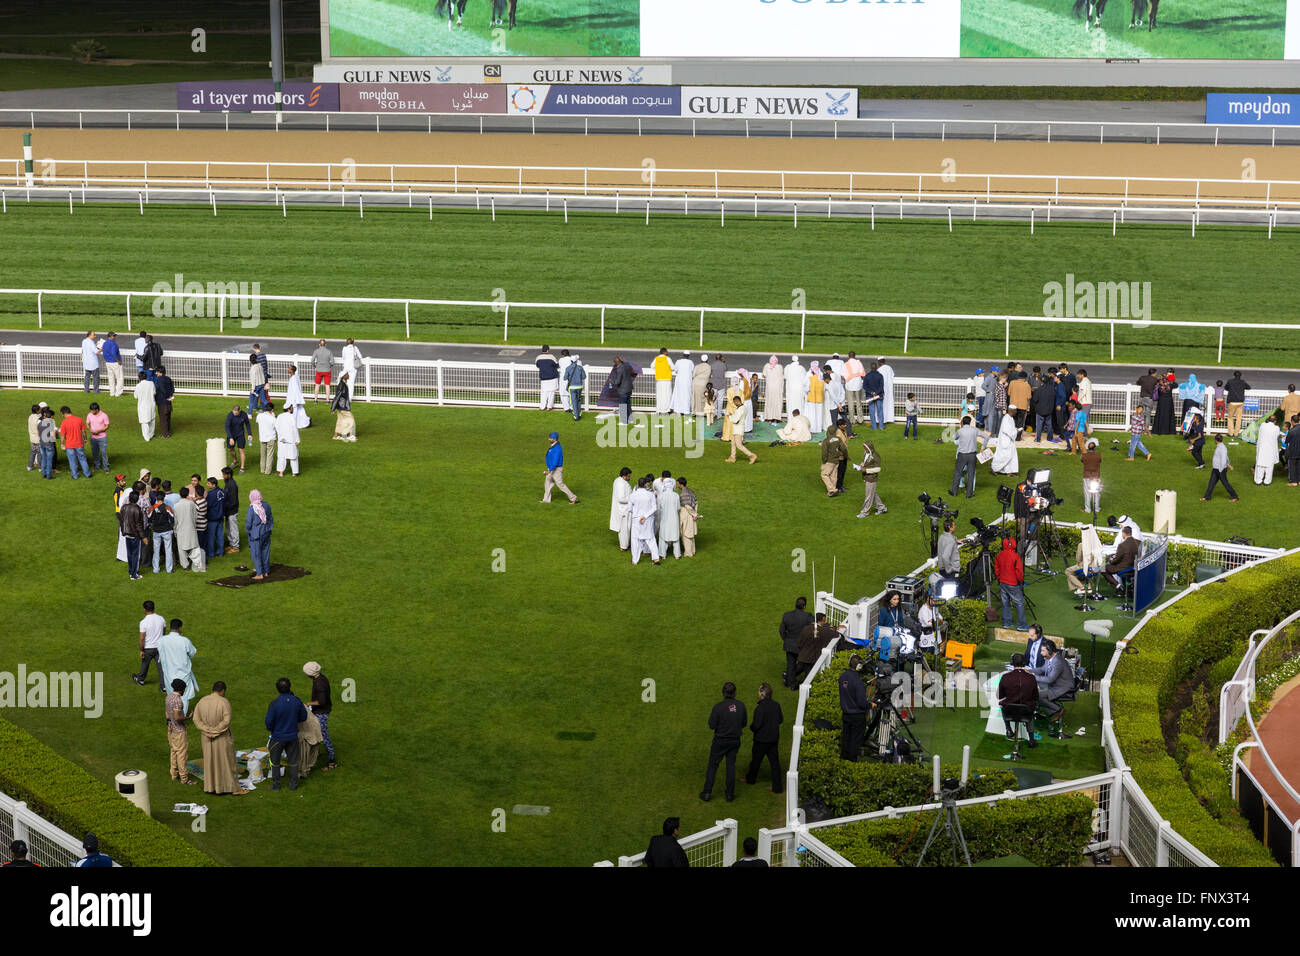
(286, 437)
(1266, 451)
(683, 375)
(146, 406)
(887, 373)
(174, 654)
(642, 507)
(699, 379)
(293, 398)
(796, 377)
(1006, 460)
(670, 532)
(773, 389)
(619, 514)
(796, 430)
(836, 365)
(659, 485)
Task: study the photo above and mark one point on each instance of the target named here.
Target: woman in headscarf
(259, 524)
(1006, 460)
(773, 389)
(1164, 424)
(345, 426)
(815, 392)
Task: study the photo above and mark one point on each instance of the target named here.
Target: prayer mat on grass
(279, 572)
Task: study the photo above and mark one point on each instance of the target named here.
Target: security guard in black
(854, 706)
(727, 721)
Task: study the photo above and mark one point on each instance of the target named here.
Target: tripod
(886, 711)
(1047, 536)
(951, 828)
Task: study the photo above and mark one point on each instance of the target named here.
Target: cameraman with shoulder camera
(854, 706)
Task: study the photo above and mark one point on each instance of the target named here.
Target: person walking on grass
(230, 493)
(321, 705)
(736, 415)
(1219, 468)
(239, 429)
(555, 471)
(259, 524)
(178, 738)
(1137, 427)
(727, 721)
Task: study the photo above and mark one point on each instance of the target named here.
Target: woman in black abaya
(1165, 423)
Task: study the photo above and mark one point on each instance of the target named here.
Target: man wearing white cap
(321, 705)
(663, 369)
(683, 381)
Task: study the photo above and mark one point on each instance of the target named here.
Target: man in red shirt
(73, 430)
(1010, 572)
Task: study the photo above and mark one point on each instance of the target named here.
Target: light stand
(948, 791)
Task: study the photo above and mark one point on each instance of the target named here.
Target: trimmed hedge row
(848, 787)
(1200, 629)
(1047, 831)
(76, 802)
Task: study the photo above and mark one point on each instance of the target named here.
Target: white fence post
(505, 325)
(438, 371)
(367, 364)
(512, 385)
(803, 322)
(408, 319)
(128, 311)
(225, 376)
(602, 325)
(40, 319)
(18, 365)
(221, 313)
(314, 303)
(701, 328)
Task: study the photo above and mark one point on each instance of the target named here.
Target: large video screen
(814, 29)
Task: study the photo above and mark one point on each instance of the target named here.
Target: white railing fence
(494, 384)
(162, 305)
(1260, 807)
(46, 843)
(715, 846)
(636, 183)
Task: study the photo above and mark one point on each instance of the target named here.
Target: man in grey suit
(967, 447)
(1055, 679)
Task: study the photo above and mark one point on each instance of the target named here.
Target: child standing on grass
(912, 409)
(1220, 402)
(710, 400)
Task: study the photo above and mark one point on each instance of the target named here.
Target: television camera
(936, 511)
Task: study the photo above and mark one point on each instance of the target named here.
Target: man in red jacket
(1009, 569)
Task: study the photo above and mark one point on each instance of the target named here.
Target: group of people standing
(191, 526)
(44, 434)
(658, 515)
(296, 730)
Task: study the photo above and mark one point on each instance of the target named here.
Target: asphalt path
(904, 367)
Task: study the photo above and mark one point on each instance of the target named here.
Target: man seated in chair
(1125, 554)
(1034, 655)
(1055, 679)
(1018, 689)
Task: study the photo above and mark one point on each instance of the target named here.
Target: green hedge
(1200, 629)
(847, 787)
(1047, 831)
(76, 802)
(966, 622)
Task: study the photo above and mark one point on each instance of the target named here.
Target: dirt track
(969, 161)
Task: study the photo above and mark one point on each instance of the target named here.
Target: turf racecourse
(1225, 273)
(479, 690)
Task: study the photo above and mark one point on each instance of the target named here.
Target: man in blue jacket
(282, 719)
(873, 390)
(555, 471)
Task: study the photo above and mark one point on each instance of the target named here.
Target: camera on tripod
(1038, 492)
(984, 534)
(935, 510)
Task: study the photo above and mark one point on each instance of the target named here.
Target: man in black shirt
(767, 735)
(164, 392)
(1235, 392)
(854, 705)
(18, 850)
(727, 721)
(792, 625)
(664, 850)
(1019, 689)
(321, 705)
(751, 857)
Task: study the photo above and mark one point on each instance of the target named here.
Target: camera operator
(1018, 687)
(949, 557)
(1010, 572)
(930, 622)
(854, 706)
